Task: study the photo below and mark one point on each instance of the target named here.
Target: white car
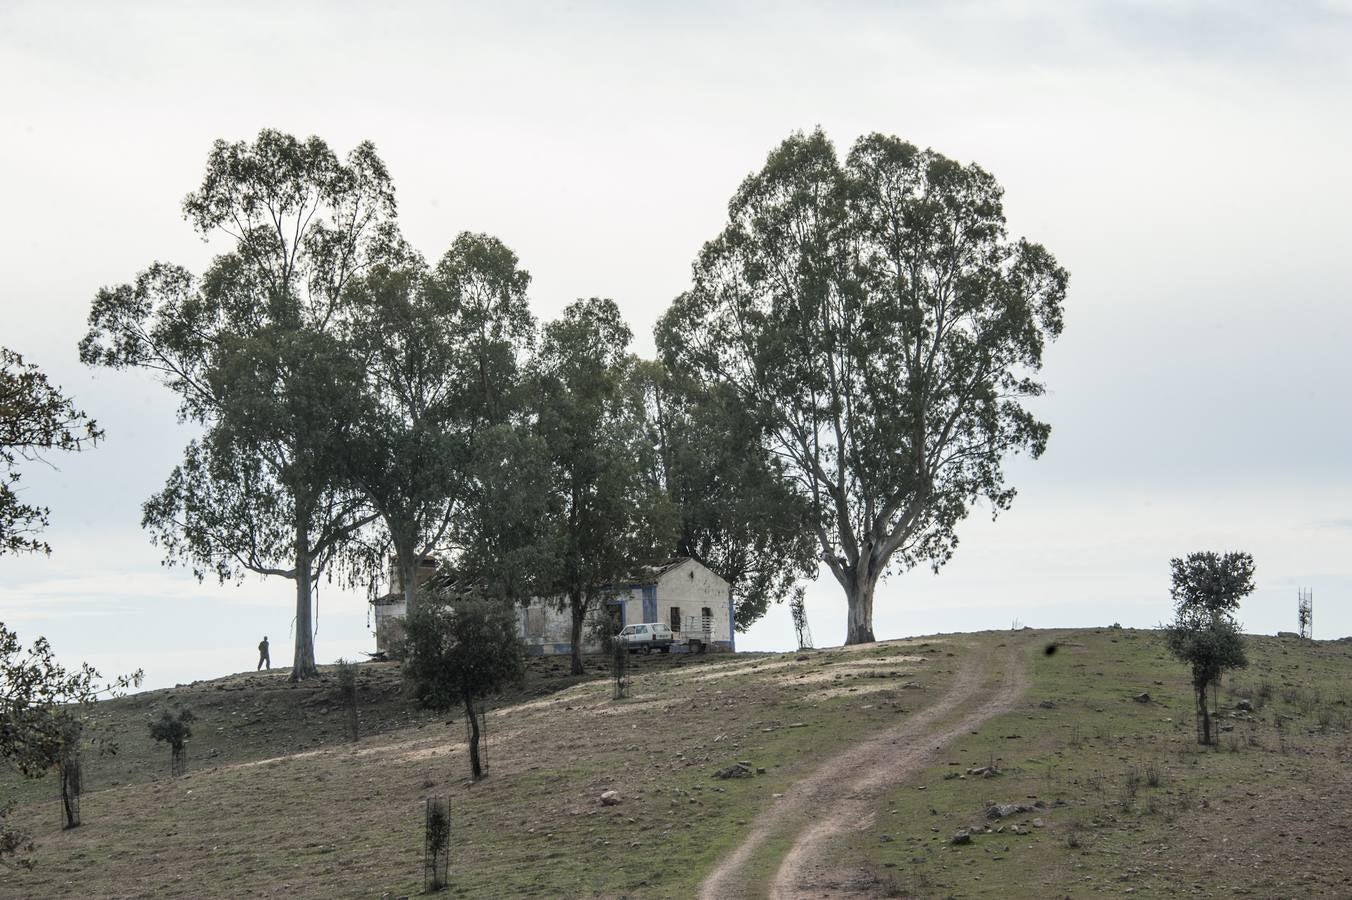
(647, 636)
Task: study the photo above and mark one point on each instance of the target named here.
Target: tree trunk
(303, 665)
(579, 611)
(476, 770)
(1203, 715)
(69, 791)
(408, 578)
(859, 597)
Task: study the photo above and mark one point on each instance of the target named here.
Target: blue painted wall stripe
(650, 603)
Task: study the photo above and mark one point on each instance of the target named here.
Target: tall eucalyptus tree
(609, 515)
(443, 351)
(737, 515)
(876, 317)
(255, 348)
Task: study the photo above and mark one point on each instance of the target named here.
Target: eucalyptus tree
(35, 418)
(443, 351)
(504, 538)
(610, 515)
(736, 513)
(877, 319)
(255, 350)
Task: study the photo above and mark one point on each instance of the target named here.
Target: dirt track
(842, 794)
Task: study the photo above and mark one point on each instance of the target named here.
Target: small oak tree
(1206, 589)
(40, 701)
(174, 727)
(346, 671)
(460, 651)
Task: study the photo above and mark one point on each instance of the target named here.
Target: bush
(174, 728)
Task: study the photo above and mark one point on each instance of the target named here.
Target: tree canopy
(443, 351)
(35, 417)
(1209, 583)
(875, 317)
(609, 513)
(737, 515)
(460, 652)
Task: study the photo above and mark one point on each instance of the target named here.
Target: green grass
(1132, 803)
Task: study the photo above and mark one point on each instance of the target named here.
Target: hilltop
(863, 766)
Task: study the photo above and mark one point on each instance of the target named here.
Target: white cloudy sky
(1187, 162)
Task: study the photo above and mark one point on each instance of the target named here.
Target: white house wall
(690, 588)
(546, 628)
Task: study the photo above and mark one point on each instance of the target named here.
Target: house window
(675, 618)
(707, 613)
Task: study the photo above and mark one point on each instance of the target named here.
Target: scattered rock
(1244, 706)
(984, 771)
(736, 770)
(1001, 810)
(1038, 823)
(911, 686)
(1048, 704)
(760, 770)
(884, 838)
(610, 798)
(962, 837)
(1142, 697)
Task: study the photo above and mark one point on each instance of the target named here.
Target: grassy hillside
(286, 807)
(1131, 804)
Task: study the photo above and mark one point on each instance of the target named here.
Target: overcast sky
(1188, 163)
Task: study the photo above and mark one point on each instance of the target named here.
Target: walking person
(263, 658)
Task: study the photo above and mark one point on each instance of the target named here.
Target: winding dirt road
(842, 793)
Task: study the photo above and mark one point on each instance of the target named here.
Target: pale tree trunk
(579, 610)
(303, 665)
(859, 598)
(408, 576)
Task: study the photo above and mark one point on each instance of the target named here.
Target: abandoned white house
(683, 593)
